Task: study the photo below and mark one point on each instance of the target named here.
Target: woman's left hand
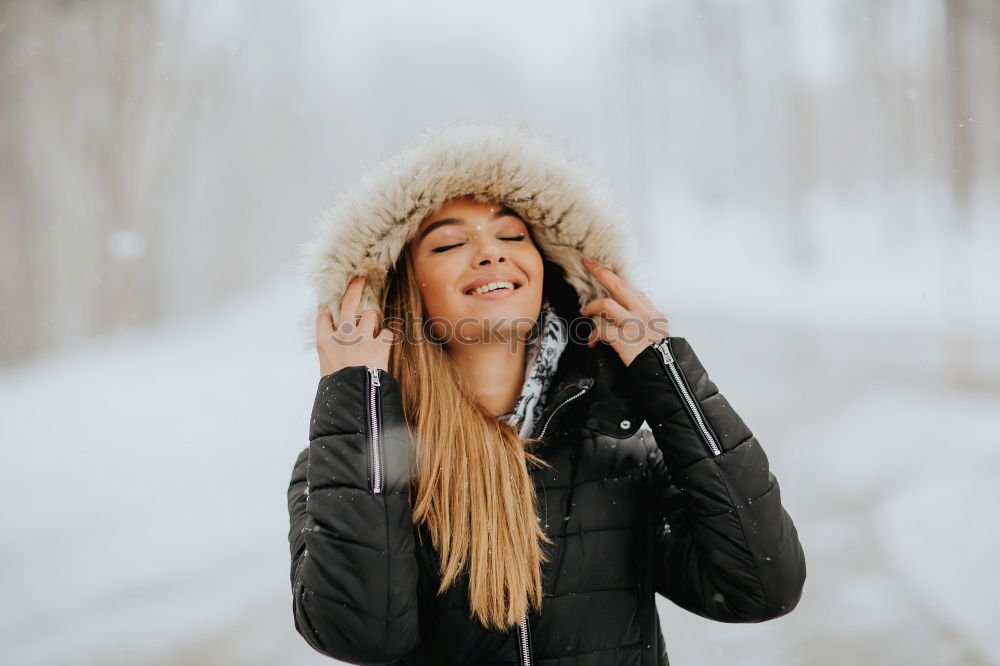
(628, 321)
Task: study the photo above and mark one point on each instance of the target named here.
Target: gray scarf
(543, 353)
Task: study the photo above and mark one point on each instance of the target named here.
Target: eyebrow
(503, 212)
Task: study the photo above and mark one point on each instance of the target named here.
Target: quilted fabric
(656, 486)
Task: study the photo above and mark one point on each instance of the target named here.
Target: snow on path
(143, 479)
(940, 533)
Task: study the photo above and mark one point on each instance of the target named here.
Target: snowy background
(813, 190)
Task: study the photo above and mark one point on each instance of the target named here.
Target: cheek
(437, 292)
(533, 266)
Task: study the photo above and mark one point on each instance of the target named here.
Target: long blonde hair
(472, 489)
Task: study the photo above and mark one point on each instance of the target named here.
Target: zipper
(524, 641)
(674, 371)
(523, 635)
(373, 385)
(561, 405)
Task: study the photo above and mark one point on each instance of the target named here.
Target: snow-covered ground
(142, 483)
(143, 478)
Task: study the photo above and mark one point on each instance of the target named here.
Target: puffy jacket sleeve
(724, 546)
(354, 572)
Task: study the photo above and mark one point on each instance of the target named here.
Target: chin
(477, 324)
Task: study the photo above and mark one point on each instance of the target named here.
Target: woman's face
(464, 245)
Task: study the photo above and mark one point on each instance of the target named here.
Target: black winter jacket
(685, 507)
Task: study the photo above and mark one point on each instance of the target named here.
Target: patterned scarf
(542, 359)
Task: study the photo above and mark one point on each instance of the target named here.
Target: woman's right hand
(351, 344)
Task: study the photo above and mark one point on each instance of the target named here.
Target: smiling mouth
(499, 286)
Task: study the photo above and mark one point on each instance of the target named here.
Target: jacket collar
(602, 406)
(571, 389)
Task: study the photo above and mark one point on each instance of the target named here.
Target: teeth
(491, 287)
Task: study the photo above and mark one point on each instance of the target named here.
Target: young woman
(479, 485)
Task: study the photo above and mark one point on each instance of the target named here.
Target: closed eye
(445, 248)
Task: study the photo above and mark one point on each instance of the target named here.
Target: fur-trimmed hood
(368, 227)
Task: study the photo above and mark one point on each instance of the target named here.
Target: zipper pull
(663, 346)
(374, 373)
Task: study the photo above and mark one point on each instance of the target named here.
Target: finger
(660, 326)
(608, 307)
(615, 284)
(604, 330)
(352, 298)
(595, 335)
(386, 336)
(324, 324)
(366, 323)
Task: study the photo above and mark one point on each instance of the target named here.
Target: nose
(490, 251)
